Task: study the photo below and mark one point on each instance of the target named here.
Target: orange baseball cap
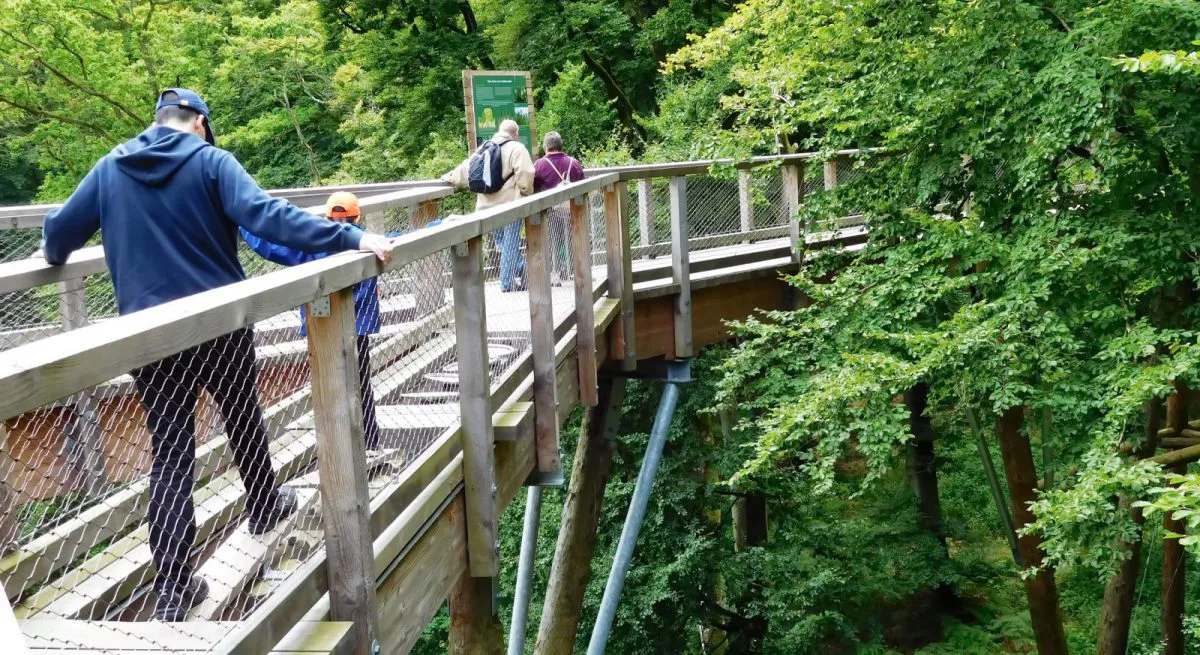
(342, 204)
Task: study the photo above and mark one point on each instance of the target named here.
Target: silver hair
(509, 127)
(552, 142)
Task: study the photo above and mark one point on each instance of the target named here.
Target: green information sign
(493, 96)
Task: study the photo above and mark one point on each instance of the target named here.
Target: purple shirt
(544, 174)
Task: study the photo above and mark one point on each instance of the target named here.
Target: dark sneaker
(285, 504)
(174, 606)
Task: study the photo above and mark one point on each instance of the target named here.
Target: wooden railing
(365, 537)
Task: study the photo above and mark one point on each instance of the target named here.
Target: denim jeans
(512, 263)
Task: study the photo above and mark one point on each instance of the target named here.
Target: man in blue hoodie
(169, 204)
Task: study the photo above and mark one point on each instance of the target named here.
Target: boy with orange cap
(341, 207)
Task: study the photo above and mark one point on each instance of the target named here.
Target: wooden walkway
(466, 420)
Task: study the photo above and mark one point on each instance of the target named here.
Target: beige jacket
(517, 163)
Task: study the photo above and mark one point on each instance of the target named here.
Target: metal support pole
(520, 615)
(680, 372)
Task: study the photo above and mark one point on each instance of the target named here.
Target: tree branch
(65, 119)
(87, 90)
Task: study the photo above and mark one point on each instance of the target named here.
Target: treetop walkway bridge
(635, 264)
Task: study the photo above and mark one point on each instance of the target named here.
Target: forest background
(1033, 265)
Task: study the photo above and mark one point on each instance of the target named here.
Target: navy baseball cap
(190, 100)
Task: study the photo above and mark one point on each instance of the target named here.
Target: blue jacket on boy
(366, 293)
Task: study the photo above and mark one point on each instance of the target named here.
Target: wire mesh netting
(75, 496)
(88, 536)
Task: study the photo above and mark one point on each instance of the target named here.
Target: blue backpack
(485, 171)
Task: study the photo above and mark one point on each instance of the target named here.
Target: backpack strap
(561, 177)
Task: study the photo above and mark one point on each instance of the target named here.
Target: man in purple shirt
(554, 168)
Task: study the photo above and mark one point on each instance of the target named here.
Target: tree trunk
(474, 629)
(1117, 610)
(1174, 563)
(1040, 589)
(923, 464)
(581, 513)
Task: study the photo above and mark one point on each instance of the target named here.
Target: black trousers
(226, 367)
(370, 423)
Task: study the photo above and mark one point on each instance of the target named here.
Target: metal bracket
(535, 218)
(320, 307)
(461, 249)
(545, 479)
(495, 582)
(679, 371)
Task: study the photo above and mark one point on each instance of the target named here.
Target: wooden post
(620, 274)
(580, 518)
(425, 275)
(541, 318)
(680, 267)
(645, 212)
(1116, 611)
(1174, 566)
(585, 338)
(1040, 589)
(479, 463)
(745, 201)
(831, 173)
(793, 178)
(474, 628)
(337, 415)
(87, 449)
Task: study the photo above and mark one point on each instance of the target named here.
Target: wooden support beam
(541, 328)
(580, 519)
(793, 181)
(745, 201)
(479, 467)
(337, 413)
(620, 273)
(680, 270)
(645, 212)
(1174, 559)
(474, 629)
(585, 346)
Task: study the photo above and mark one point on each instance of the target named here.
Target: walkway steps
(238, 559)
(108, 579)
(33, 563)
(54, 636)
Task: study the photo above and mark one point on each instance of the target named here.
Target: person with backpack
(500, 171)
(341, 207)
(554, 168)
(168, 204)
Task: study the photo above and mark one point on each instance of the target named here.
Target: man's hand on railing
(378, 244)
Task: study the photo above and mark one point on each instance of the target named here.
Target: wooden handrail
(57, 366)
(31, 216)
(29, 273)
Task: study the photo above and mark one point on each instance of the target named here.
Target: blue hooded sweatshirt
(168, 205)
(366, 293)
